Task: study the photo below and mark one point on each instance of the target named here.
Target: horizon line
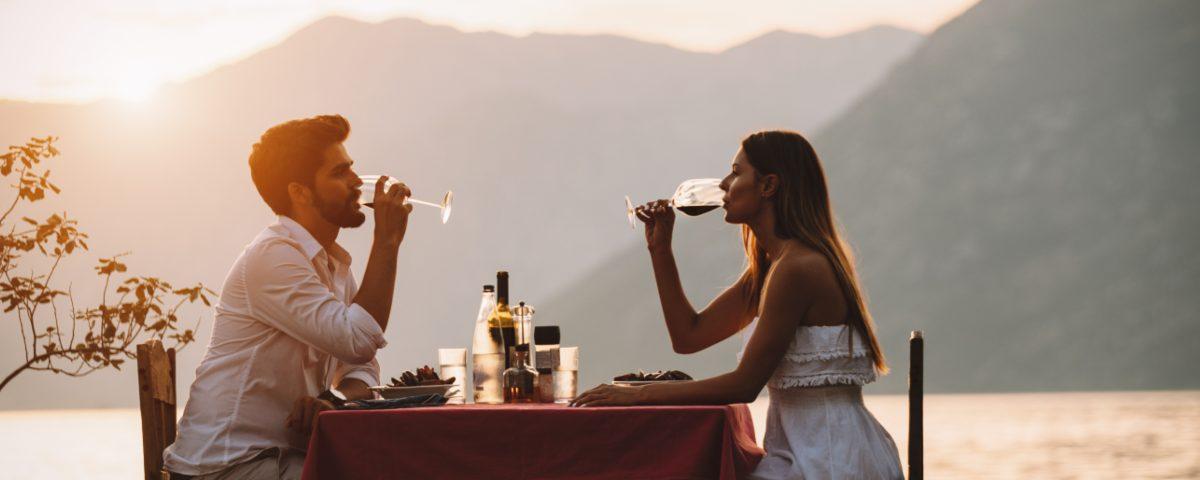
(97, 99)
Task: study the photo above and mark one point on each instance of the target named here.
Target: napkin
(428, 400)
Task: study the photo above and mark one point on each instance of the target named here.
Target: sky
(84, 50)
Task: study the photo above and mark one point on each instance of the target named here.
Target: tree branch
(29, 364)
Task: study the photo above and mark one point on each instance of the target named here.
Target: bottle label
(487, 372)
(547, 359)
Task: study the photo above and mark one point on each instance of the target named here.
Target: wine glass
(371, 180)
(693, 197)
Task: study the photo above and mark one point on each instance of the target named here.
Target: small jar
(520, 380)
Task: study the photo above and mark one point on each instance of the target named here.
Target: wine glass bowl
(698, 196)
(369, 182)
(693, 197)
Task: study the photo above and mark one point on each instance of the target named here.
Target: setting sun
(138, 90)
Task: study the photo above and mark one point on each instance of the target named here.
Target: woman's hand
(609, 396)
(659, 218)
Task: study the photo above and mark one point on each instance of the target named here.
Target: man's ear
(768, 184)
(300, 194)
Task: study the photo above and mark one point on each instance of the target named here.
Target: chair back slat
(156, 398)
(916, 393)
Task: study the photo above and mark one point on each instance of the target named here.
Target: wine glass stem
(422, 202)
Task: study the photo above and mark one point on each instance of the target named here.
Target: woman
(814, 345)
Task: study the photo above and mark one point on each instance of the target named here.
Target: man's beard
(343, 214)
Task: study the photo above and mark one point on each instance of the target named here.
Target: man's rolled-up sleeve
(367, 372)
(285, 292)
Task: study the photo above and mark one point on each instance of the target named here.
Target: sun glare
(137, 91)
(134, 83)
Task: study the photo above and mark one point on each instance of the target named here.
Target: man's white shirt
(285, 328)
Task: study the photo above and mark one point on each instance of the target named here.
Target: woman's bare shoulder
(808, 277)
(804, 264)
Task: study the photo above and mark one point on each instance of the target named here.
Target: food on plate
(658, 376)
(424, 376)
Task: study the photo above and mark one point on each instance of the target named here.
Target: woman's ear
(768, 185)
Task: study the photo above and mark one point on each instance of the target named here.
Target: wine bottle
(500, 322)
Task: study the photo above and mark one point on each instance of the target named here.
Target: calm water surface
(1045, 435)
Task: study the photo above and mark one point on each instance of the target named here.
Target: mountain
(1021, 188)
(540, 137)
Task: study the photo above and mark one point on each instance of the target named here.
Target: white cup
(566, 375)
(452, 362)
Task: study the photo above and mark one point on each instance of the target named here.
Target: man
(292, 331)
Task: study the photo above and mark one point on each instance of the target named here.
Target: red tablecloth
(534, 442)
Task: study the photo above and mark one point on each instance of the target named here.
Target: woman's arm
(786, 300)
(690, 331)
(693, 331)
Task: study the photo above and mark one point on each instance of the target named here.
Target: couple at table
(294, 334)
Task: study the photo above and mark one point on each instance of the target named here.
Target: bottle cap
(489, 288)
(523, 348)
(523, 310)
(547, 335)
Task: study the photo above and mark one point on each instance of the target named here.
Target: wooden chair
(916, 392)
(156, 392)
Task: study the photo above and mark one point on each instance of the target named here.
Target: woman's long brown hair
(803, 212)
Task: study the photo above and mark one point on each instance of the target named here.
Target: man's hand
(304, 415)
(391, 212)
(355, 389)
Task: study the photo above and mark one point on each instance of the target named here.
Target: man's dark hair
(291, 152)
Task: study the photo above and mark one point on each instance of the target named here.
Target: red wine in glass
(697, 210)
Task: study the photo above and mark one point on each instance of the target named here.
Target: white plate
(644, 382)
(402, 392)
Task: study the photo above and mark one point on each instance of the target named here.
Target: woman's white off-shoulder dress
(817, 425)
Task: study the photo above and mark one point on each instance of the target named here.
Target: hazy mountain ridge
(1022, 189)
(539, 137)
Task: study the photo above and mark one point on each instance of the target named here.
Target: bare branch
(108, 330)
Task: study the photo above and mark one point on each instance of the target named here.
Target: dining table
(534, 441)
